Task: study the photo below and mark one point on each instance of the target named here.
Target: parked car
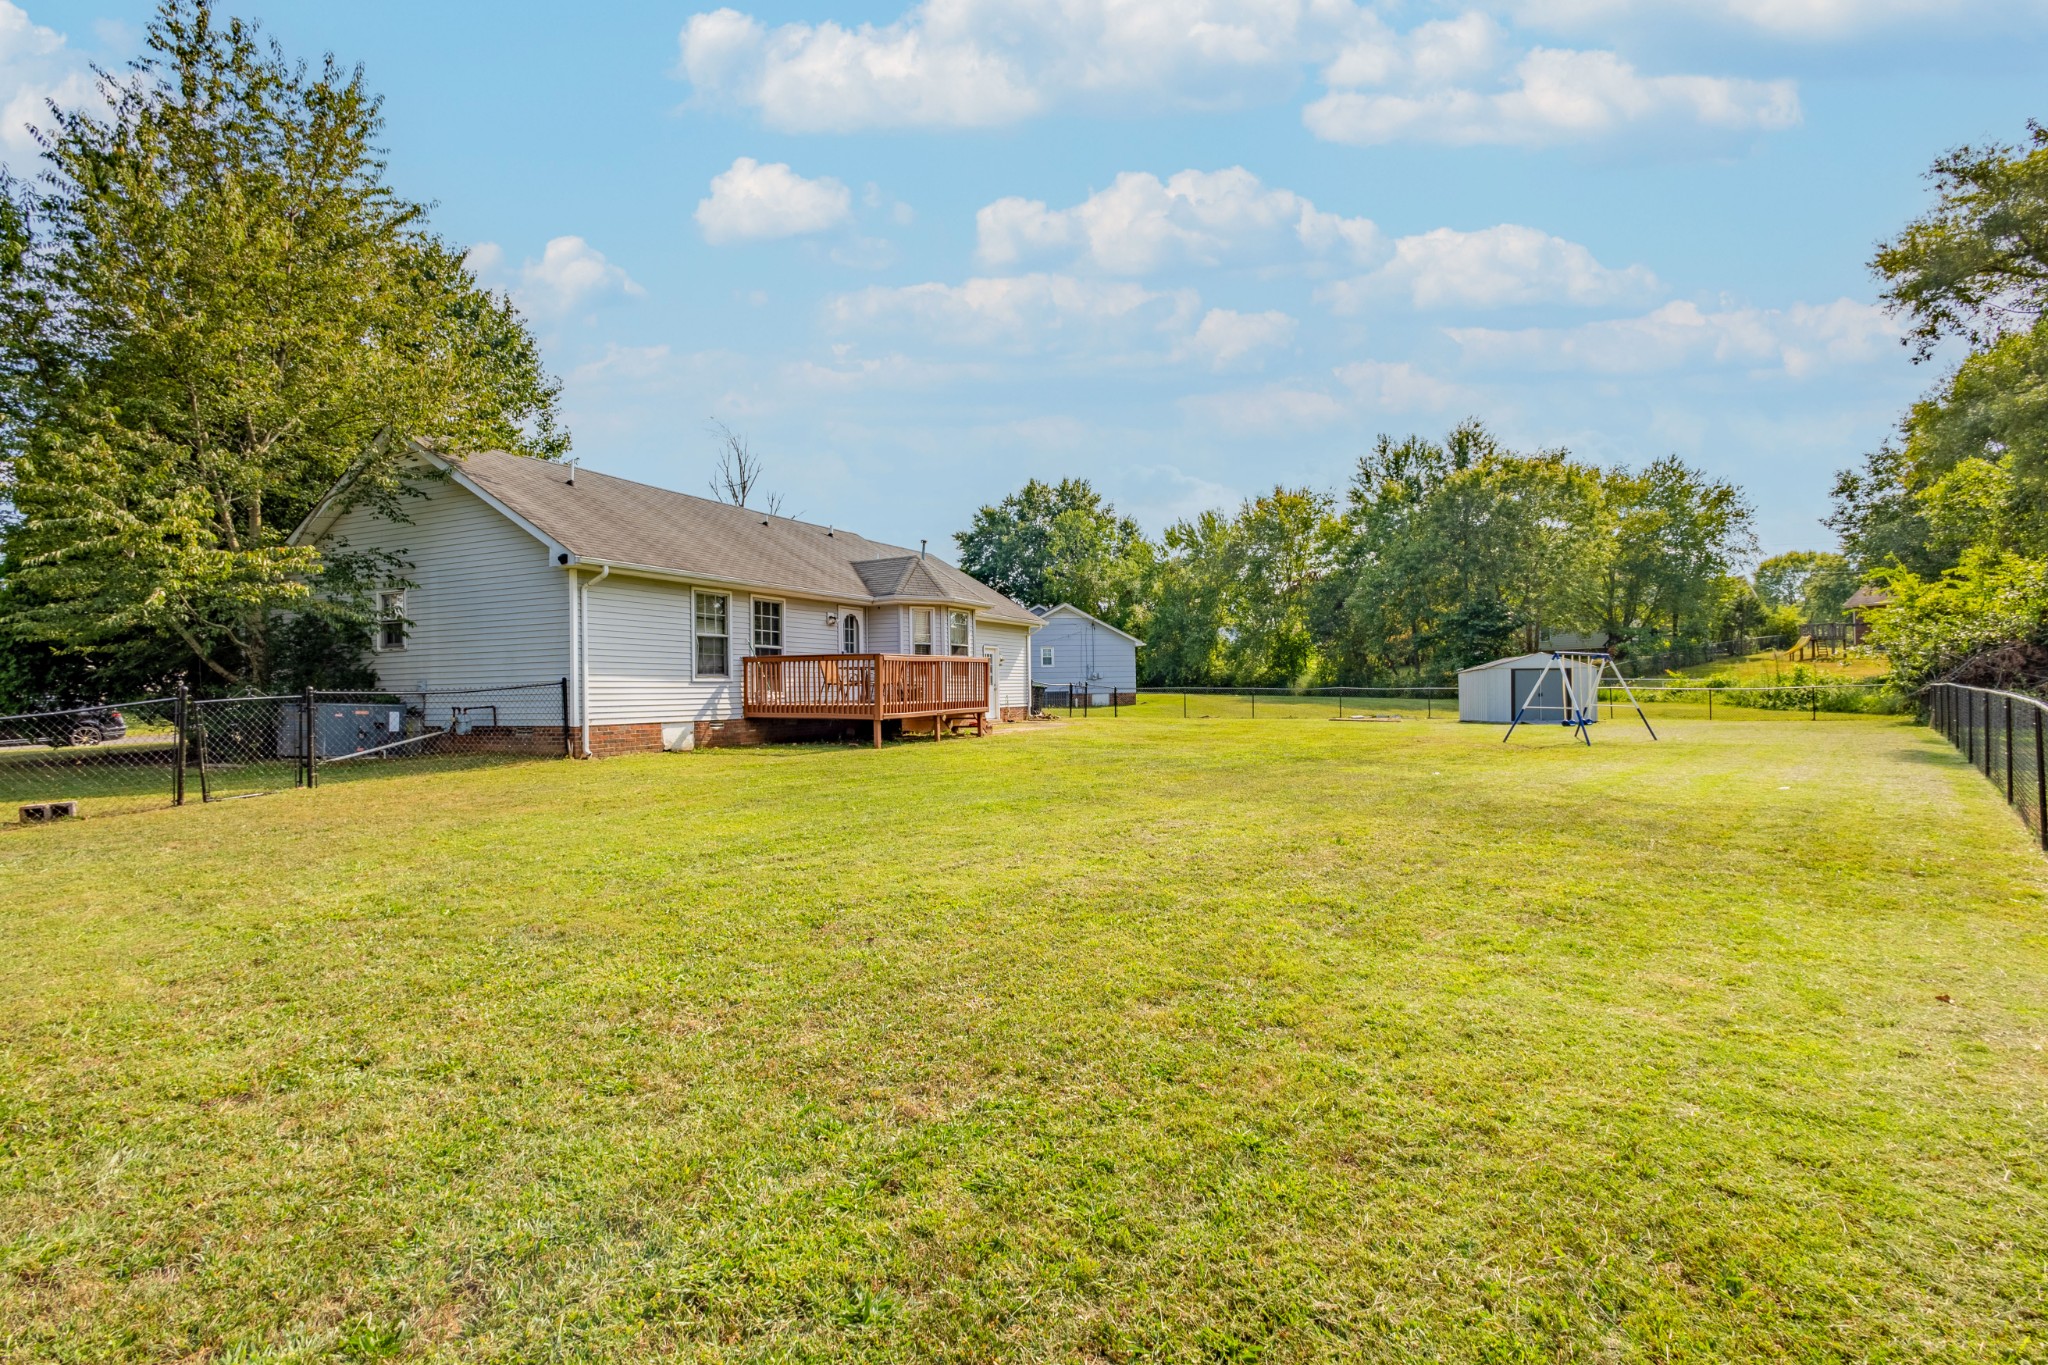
(101, 725)
(76, 725)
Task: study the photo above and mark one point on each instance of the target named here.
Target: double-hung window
(1045, 657)
(920, 630)
(713, 635)
(957, 626)
(391, 620)
(767, 627)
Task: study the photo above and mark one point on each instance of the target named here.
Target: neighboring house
(677, 620)
(1082, 653)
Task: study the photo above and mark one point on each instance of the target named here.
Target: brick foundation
(610, 741)
(1012, 714)
(543, 741)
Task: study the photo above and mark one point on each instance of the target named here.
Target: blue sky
(1186, 249)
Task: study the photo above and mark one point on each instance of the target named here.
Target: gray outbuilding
(1078, 653)
(1490, 693)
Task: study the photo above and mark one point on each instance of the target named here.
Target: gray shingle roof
(617, 521)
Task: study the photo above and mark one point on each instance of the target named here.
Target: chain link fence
(1676, 700)
(98, 760)
(164, 751)
(2005, 735)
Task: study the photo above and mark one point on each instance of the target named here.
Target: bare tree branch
(739, 468)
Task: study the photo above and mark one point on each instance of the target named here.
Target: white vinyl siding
(641, 666)
(488, 605)
(1013, 664)
(1084, 653)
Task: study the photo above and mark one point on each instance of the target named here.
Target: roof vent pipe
(920, 548)
(572, 472)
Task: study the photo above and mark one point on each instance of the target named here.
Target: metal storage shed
(1489, 693)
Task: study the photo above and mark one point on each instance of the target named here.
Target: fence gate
(247, 746)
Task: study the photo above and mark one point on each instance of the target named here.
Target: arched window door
(849, 633)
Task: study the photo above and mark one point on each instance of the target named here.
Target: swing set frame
(1579, 712)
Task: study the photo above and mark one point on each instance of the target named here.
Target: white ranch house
(1077, 652)
(677, 621)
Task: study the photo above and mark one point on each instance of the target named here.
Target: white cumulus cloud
(1802, 19)
(1495, 267)
(1141, 224)
(1550, 95)
(985, 63)
(1225, 337)
(750, 202)
(1795, 341)
(569, 274)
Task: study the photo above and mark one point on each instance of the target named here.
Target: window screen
(712, 635)
(767, 627)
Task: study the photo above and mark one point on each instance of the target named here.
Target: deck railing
(863, 686)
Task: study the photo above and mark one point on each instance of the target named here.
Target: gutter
(583, 587)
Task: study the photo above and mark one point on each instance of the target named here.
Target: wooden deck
(870, 687)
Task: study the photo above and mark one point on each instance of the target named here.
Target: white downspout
(583, 653)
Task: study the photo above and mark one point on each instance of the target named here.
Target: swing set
(1578, 711)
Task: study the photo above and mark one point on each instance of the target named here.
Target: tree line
(1438, 554)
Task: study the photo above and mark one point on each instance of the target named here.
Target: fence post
(1255, 703)
(1429, 706)
(306, 738)
(568, 745)
(2008, 750)
(1816, 704)
(178, 758)
(2040, 778)
(1710, 703)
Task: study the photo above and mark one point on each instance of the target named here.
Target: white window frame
(965, 645)
(850, 620)
(781, 624)
(1045, 656)
(921, 616)
(698, 636)
(391, 612)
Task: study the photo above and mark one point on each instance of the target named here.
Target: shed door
(1544, 704)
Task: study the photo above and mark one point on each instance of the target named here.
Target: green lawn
(1132, 1039)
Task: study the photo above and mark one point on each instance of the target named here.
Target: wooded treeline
(1439, 554)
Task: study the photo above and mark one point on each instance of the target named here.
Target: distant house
(676, 621)
(1074, 653)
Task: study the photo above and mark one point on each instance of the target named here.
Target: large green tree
(214, 307)
(1953, 515)
(1052, 543)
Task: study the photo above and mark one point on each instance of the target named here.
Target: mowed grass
(1117, 1040)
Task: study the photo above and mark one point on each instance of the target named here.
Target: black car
(62, 728)
(101, 725)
